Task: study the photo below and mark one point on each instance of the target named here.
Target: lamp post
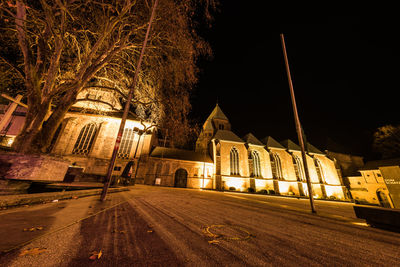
(126, 109)
(298, 126)
(140, 133)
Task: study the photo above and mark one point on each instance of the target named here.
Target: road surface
(158, 226)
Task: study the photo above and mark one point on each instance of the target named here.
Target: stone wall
(226, 148)
(17, 166)
(164, 169)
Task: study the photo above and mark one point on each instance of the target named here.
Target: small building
(379, 183)
(12, 126)
(347, 165)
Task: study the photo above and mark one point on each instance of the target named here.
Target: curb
(40, 198)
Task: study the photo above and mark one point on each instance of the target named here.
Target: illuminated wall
(96, 161)
(226, 147)
(264, 160)
(165, 169)
(364, 188)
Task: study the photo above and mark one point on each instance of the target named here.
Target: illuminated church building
(221, 160)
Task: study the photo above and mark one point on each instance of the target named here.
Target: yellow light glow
(239, 184)
(10, 141)
(360, 223)
(335, 191)
(284, 187)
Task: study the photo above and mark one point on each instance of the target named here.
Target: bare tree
(387, 141)
(65, 46)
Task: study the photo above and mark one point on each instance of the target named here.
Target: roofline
(251, 144)
(226, 141)
(276, 147)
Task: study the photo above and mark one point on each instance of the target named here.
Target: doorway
(181, 178)
(383, 199)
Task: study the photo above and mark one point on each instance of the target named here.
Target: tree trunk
(46, 134)
(24, 143)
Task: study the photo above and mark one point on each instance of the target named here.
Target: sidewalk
(9, 201)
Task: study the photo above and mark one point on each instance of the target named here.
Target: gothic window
(85, 139)
(320, 173)
(298, 168)
(234, 161)
(276, 166)
(218, 148)
(256, 166)
(126, 143)
(221, 127)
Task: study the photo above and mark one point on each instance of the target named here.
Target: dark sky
(344, 70)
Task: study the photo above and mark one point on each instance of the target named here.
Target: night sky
(344, 70)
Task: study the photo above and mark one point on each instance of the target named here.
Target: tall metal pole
(126, 109)
(134, 155)
(298, 126)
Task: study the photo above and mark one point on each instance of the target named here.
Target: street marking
(209, 233)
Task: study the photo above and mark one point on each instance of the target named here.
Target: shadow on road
(124, 239)
(23, 226)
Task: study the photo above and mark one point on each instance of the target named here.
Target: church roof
(251, 139)
(182, 154)
(375, 164)
(208, 126)
(271, 142)
(217, 114)
(312, 149)
(290, 145)
(227, 136)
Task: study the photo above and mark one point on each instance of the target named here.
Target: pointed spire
(217, 114)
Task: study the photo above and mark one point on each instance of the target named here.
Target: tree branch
(19, 71)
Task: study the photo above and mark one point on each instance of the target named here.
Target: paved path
(155, 226)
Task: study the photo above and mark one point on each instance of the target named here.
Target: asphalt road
(156, 226)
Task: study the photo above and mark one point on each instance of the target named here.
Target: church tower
(216, 121)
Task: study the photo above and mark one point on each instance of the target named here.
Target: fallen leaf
(149, 231)
(33, 251)
(39, 228)
(213, 241)
(32, 229)
(74, 197)
(96, 255)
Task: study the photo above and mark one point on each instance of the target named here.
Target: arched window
(320, 173)
(126, 143)
(276, 166)
(234, 161)
(255, 169)
(298, 168)
(85, 139)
